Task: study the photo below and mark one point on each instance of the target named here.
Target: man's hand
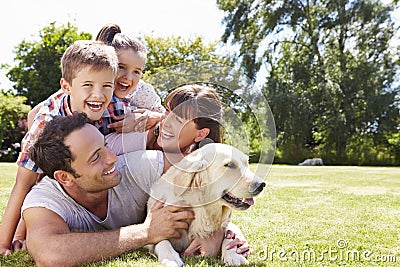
(164, 221)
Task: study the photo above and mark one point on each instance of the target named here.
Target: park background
(329, 71)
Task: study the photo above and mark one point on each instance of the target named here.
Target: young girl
(128, 84)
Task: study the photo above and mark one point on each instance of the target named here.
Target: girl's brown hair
(111, 35)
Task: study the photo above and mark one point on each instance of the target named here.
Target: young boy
(88, 72)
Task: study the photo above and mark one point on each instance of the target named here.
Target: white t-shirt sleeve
(120, 143)
(144, 167)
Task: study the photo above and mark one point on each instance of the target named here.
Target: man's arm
(51, 243)
(25, 179)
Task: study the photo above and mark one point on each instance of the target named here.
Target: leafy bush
(13, 125)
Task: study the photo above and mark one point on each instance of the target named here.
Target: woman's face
(130, 71)
(177, 134)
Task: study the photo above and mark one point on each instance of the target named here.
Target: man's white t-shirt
(126, 201)
(120, 143)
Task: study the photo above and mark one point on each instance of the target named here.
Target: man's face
(92, 161)
(90, 91)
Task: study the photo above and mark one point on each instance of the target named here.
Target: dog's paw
(231, 258)
(172, 263)
(166, 254)
(171, 260)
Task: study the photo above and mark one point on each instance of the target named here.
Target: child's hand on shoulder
(151, 119)
(129, 122)
(138, 120)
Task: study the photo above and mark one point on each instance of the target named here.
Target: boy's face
(130, 71)
(90, 91)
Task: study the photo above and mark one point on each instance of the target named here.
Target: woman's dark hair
(200, 104)
(49, 151)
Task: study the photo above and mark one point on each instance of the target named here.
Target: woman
(193, 115)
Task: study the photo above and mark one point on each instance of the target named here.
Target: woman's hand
(209, 246)
(18, 245)
(243, 247)
(6, 251)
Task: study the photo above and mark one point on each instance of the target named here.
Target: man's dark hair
(49, 151)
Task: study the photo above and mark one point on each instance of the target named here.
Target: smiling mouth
(123, 86)
(95, 105)
(239, 203)
(110, 171)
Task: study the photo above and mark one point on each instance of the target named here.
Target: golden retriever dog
(214, 180)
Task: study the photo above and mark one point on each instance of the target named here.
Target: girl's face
(130, 71)
(177, 134)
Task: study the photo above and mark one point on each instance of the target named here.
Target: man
(89, 206)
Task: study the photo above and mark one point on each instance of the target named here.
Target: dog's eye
(230, 165)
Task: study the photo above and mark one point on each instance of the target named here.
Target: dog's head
(221, 172)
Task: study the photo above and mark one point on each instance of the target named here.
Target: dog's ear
(187, 173)
(180, 179)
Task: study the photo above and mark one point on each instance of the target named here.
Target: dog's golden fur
(213, 180)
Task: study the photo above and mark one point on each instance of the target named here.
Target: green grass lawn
(306, 216)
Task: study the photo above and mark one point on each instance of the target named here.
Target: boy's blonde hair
(83, 53)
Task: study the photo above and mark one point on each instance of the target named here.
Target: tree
(165, 52)
(37, 73)
(173, 61)
(330, 74)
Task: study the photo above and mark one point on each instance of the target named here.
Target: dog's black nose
(258, 188)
